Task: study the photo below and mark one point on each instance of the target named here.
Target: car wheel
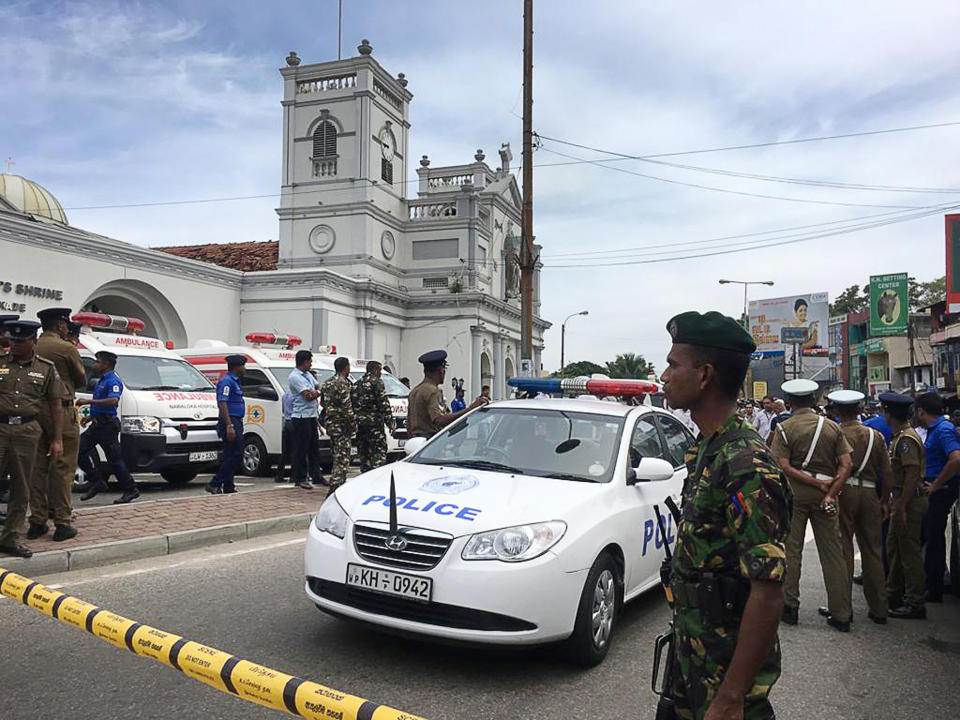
(597, 613)
(178, 477)
(256, 462)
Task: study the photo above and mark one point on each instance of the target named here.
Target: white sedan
(524, 522)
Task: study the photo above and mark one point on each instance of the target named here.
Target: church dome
(31, 198)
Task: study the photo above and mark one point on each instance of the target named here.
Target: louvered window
(325, 140)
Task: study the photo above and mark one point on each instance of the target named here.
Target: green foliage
(576, 369)
(927, 293)
(852, 300)
(629, 365)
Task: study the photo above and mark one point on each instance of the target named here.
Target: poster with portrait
(796, 321)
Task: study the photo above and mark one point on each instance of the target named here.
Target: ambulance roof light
(102, 321)
(327, 350)
(261, 338)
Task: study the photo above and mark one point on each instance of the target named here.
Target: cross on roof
(10, 163)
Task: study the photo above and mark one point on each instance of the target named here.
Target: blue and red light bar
(619, 388)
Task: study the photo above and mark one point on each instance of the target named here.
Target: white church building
(367, 261)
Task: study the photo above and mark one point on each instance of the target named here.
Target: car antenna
(393, 506)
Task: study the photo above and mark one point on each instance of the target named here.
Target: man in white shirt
(762, 419)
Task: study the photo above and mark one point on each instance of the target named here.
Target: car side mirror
(650, 470)
(413, 445)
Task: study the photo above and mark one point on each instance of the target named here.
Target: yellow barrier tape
(249, 681)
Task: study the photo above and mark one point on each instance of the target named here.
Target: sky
(111, 102)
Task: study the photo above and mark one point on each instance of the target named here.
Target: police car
(524, 522)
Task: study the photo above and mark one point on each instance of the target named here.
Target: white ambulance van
(397, 392)
(168, 410)
(270, 360)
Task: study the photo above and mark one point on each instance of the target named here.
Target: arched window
(325, 140)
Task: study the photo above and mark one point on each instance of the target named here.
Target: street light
(563, 335)
(746, 284)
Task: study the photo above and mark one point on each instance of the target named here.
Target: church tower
(345, 155)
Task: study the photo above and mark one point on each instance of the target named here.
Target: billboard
(953, 262)
(797, 326)
(888, 305)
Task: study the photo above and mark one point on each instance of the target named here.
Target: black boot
(64, 532)
(791, 615)
(35, 531)
(17, 550)
(94, 490)
(128, 496)
(908, 612)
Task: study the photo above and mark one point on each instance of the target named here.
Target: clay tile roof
(244, 256)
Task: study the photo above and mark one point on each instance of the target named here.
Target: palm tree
(629, 365)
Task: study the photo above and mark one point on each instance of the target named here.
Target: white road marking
(190, 561)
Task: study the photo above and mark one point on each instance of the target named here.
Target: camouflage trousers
(340, 436)
(703, 654)
(371, 445)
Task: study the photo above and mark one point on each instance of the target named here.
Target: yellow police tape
(221, 670)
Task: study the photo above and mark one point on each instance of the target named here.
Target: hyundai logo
(397, 543)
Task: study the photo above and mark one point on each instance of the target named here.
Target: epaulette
(43, 360)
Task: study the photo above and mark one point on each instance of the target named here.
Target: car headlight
(332, 518)
(140, 424)
(514, 544)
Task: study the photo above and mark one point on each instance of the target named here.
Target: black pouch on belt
(710, 600)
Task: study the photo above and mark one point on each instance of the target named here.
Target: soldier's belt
(16, 419)
(824, 476)
(720, 598)
(857, 482)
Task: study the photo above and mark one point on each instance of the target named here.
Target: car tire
(256, 461)
(178, 476)
(597, 613)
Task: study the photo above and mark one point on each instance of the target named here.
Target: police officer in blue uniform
(105, 431)
(230, 425)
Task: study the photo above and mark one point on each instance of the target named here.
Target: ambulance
(270, 360)
(397, 393)
(168, 410)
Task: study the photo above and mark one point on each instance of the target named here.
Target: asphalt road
(247, 598)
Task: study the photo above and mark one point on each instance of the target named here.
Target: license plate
(401, 443)
(389, 582)
(202, 456)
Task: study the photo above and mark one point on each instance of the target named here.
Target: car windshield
(548, 443)
(159, 373)
(394, 387)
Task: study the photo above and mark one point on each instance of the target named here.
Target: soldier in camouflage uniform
(372, 409)
(730, 559)
(341, 423)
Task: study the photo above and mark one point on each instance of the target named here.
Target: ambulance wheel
(178, 477)
(597, 613)
(256, 462)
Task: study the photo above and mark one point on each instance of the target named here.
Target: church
(369, 260)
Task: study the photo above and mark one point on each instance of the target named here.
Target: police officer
(372, 408)
(862, 509)
(27, 384)
(105, 432)
(230, 425)
(51, 483)
(73, 333)
(426, 412)
(729, 564)
(4, 351)
(905, 576)
(341, 422)
(815, 457)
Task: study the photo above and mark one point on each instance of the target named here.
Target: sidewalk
(116, 533)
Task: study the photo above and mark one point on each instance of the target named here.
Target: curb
(90, 556)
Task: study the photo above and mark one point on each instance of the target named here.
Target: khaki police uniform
(51, 484)
(424, 406)
(793, 439)
(24, 389)
(860, 511)
(905, 577)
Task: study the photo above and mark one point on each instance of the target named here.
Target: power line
(628, 252)
(766, 243)
(766, 144)
(600, 163)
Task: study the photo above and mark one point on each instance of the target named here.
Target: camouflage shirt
(335, 397)
(736, 517)
(370, 401)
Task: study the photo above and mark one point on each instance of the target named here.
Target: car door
(644, 550)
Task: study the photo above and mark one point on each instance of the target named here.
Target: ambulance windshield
(160, 373)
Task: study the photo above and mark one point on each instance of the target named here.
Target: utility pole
(563, 336)
(910, 333)
(340, 31)
(527, 260)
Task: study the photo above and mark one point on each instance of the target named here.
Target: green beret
(710, 329)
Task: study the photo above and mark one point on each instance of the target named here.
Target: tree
(576, 369)
(852, 300)
(629, 365)
(927, 293)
